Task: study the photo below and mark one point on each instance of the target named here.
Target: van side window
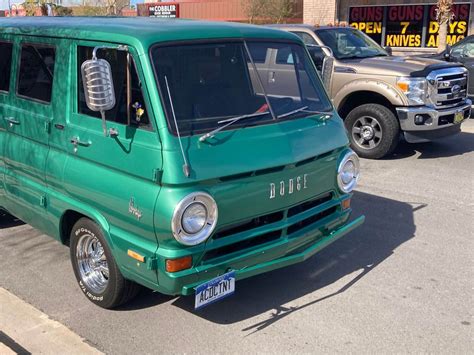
(35, 80)
(5, 65)
(119, 114)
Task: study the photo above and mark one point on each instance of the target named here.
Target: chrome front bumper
(439, 123)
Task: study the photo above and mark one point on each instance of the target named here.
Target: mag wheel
(95, 268)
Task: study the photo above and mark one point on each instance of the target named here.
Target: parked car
(163, 155)
(461, 52)
(383, 97)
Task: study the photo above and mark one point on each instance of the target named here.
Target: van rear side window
(5, 65)
(35, 80)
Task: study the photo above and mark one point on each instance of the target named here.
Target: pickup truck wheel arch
(358, 98)
(368, 91)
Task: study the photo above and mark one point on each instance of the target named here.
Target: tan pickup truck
(383, 98)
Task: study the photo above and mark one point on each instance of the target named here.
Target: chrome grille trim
(440, 87)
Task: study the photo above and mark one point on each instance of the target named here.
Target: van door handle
(11, 121)
(76, 141)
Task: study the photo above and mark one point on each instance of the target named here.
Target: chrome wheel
(367, 132)
(92, 263)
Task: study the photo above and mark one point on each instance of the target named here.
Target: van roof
(141, 31)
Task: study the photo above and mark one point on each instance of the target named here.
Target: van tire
(373, 130)
(105, 289)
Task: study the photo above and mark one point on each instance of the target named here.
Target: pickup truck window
(118, 63)
(347, 43)
(212, 82)
(307, 39)
(5, 65)
(35, 80)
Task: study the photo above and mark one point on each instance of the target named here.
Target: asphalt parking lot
(403, 282)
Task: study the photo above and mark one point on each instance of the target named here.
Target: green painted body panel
(43, 179)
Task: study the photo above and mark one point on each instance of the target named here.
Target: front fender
(380, 87)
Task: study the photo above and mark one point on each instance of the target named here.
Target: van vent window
(5, 65)
(118, 63)
(36, 72)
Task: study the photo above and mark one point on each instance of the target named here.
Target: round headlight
(194, 218)
(348, 172)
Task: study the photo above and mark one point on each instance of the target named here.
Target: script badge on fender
(215, 290)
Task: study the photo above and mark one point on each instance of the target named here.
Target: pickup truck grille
(448, 87)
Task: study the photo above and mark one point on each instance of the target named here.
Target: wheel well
(361, 98)
(67, 222)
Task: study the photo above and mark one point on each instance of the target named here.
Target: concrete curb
(26, 330)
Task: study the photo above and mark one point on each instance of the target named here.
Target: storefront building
(214, 10)
(395, 23)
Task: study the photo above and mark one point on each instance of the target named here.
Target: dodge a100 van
(164, 155)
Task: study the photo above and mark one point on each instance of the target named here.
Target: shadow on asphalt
(8, 221)
(389, 224)
(459, 144)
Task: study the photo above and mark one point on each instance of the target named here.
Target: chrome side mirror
(98, 86)
(326, 72)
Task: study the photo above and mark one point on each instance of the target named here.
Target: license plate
(458, 117)
(215, 290)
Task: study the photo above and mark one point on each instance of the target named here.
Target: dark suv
(462, 52)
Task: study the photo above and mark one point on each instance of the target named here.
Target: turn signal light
(403, 86)
(175, 265)
(135, 256)
(346, 204)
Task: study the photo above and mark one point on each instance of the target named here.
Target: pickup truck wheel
(95, 268)
(373, 130)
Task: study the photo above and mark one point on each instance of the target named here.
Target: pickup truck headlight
(415, 89)
(348, 172)
(194, 218)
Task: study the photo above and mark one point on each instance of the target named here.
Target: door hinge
(47, 126)
(43, 201)
(152, 263)
(157, 174)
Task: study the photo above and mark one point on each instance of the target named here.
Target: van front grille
(268, 219)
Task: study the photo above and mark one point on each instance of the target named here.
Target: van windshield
(207, 83)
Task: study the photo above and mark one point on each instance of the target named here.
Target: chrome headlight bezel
(414, 89)
(349, 157)
(179, 232)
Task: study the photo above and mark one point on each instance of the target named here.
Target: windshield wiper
(229, 122)
(304, 109)
(292, 112)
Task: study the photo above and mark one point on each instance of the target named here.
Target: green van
(165, 155)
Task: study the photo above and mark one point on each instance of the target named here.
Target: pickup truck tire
(95, 268)
(373, 130)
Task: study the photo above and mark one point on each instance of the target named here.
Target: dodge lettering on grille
(288, 187)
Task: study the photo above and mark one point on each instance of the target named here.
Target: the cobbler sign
(163, 11)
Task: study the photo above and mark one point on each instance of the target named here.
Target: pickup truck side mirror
(389, 50)
(98, 86)
(447, 53)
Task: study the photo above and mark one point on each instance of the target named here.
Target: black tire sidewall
(388, 122)
(108, 297)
